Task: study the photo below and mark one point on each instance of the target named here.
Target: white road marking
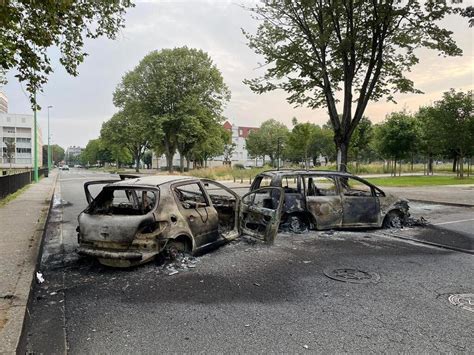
(452, 222)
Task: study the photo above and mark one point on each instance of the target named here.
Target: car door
(323, 201)
(198, 212)
(361, 207)
(260, 213)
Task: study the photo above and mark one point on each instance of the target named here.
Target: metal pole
(278, 150)
(35, 169)
(49, 144)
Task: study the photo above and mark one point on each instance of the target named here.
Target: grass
(14, 195)
(406, 181)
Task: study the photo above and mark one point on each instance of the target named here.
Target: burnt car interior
(225, 204)
(123, 201)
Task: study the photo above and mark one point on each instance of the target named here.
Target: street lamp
(35, 151)
(49, 144)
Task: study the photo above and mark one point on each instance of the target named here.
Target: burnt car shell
(132, 220)
(328, 199)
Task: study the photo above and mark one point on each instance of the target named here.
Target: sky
(81, 104)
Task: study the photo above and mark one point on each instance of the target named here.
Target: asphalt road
(244, 298)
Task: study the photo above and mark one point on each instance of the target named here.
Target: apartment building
(17, 141)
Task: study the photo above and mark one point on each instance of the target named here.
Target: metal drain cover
(463, 300)
(352, 275)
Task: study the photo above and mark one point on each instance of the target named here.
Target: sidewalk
(22, 223)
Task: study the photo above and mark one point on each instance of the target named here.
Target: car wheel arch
(390, 213)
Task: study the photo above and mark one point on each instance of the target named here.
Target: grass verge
(406, 181)
(14, 195)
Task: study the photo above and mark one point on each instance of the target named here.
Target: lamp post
(35, 158)
(49, 144)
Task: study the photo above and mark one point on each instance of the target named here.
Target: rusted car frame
(327, 199)
(134, 219)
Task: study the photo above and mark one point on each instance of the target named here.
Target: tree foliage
(127, 129)
(269, 140)
(320, 50)
(57, 154)
(398, 136)
(30, 27)
(182, 95)
(452, 117)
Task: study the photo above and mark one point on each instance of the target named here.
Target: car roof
(154, 180)
(291, 172)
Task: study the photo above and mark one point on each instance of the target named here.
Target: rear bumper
(107, 254)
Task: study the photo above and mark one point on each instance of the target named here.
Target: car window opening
(123, 202)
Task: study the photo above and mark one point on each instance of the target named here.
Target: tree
(429, 135)
(30, 28)
(181, 92)
(127, 129)
(9, 150)
(270, 139)
(57, 154)
(397, 137)
(255, 145)
(216, 142)
(361, 138)
(301, 141)
(453, 115)
(320, 50)
(147, 159)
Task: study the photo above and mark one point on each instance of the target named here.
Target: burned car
(134, 219)
(328, 199)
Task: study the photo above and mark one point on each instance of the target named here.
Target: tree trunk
(188, 162)
(461, 165)
(137, 162)
(341, 161)
(455, 163)
(430, 164)
(394, 168)
(169, 162)
(181, 162)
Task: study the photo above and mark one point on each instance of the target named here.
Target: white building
(18, 129)
(72, 153)
(3, 103)
(239, 156)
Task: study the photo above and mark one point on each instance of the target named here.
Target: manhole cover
(352, 275)
(463, 300)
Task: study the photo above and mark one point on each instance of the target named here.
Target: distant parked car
(329, 199)
(65, 167)
(134, 219)
(78, 166)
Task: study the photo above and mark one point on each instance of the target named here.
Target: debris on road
(39, 277)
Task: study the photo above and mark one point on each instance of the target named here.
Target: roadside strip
(411, 239)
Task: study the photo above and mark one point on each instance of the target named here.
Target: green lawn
(404, 181)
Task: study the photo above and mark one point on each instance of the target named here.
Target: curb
(454, 204)
(26, 282)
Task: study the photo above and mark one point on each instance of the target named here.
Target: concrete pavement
(22, 222)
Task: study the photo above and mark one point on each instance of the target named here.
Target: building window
(241, 131)
(9, 119)
(23, 140)
(23, 150)
(23, 120)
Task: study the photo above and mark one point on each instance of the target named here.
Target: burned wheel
(175, 247)
(298, 224)
(393, 219)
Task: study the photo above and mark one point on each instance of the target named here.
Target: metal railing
(12, 183)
